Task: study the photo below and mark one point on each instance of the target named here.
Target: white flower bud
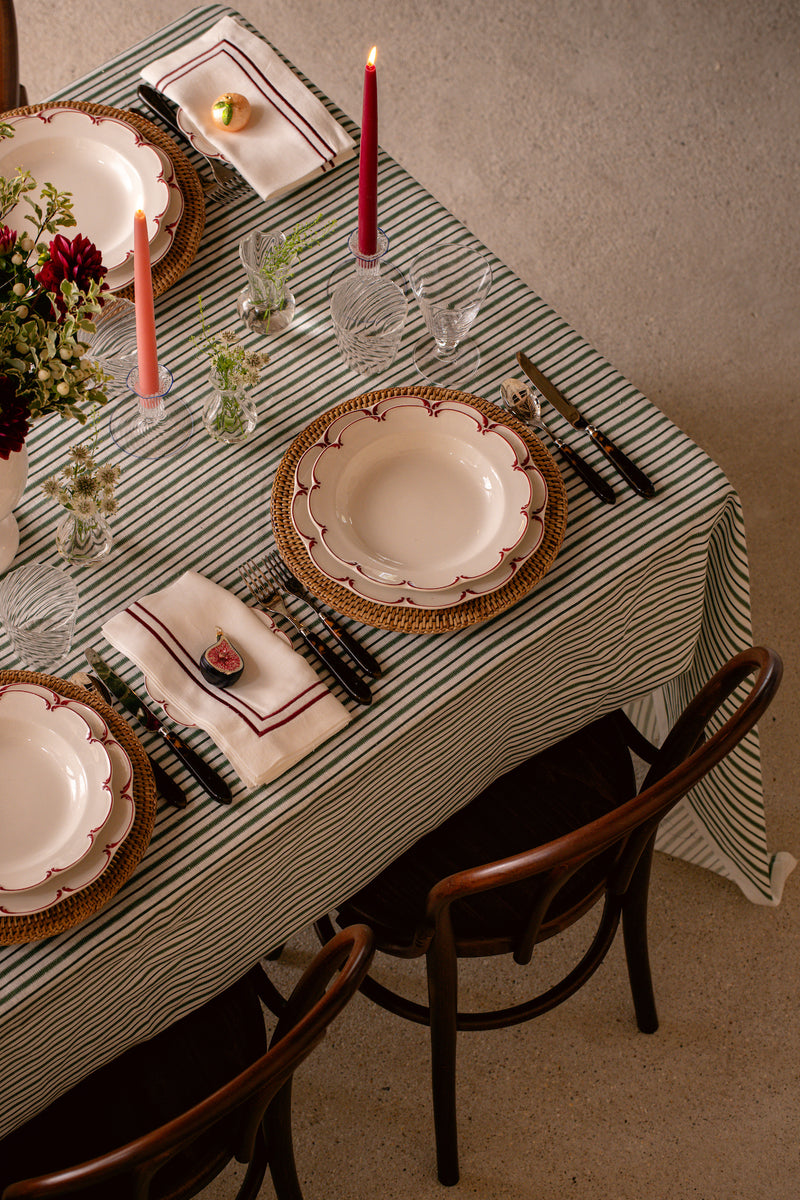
(17, 259)
(62, 388)
(19, 289)
(22, 311)
(66, 353)
(26, 242)
(42, 375)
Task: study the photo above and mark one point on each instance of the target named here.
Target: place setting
(113, 162)
(82, 808)
(418, 509)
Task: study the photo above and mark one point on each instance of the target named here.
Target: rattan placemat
(414, 620)
(76, 908)
(181, 253)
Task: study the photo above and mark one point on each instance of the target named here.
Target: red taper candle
(368, 162)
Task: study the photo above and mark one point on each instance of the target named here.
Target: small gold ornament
(231, 111)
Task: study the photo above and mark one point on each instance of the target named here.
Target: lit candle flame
(371, 56)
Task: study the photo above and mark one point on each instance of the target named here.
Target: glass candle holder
(152, 428)
(369, 305)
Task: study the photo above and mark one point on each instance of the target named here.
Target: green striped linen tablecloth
(644, 601)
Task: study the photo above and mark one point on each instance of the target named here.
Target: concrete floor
(636, 163)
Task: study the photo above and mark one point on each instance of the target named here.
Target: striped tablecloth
(644, 601)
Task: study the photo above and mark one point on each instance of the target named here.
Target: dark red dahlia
(8, 239)
(78, 260)
(13, 417)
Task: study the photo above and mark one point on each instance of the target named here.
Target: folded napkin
(276, 713)
(291, 136)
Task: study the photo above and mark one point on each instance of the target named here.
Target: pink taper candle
(145, 315)
(368, 162)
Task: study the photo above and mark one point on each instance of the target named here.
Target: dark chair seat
(143, 1089)
(566, 786)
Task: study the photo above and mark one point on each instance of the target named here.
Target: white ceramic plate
(420, 496)
(56, 793)
(107, 166)
(160, 245)
(406, 597)
(116, 829)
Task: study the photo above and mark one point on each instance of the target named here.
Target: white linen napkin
(276, 713)
(290, 137)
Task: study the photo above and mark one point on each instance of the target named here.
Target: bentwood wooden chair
(534, 853)
(168, 1116)
(12, 94)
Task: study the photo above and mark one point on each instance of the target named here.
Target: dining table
(639, 604)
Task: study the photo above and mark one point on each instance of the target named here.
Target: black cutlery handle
(205, 775)
(169, 791)
(590, 477)
(369, 665)
(352, 683)
(628, 470)
(161, 105)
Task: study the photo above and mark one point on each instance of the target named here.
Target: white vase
(13, 477)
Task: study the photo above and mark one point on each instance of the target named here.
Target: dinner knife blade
(632, 475)
(168, 789)
(162, 105)
(205, 775)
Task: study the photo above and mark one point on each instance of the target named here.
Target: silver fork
(272, 602)
(228, 183)
(283, 579)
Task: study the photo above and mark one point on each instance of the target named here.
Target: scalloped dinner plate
(112, 836)
(56, 793)
(109, 168)
(420, 496)
(399, 596)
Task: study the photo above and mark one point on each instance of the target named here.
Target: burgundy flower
(8, 239)
(13, 417)
(78, 260)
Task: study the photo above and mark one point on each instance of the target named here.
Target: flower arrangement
(49, 295)
(276, 267)
(86, 490)
(84, 487)
(229, 417)
(233, 364)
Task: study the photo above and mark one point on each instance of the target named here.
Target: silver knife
(628, 470)
(169, 791)
(205, 775)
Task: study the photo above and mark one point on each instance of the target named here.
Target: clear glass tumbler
(368, 307)
(37, 607)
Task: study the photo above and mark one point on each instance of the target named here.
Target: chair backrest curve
(683, 760)
(310, 1009)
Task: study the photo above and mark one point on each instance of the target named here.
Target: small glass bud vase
(83, 539)
(229, 413)
(266, 305)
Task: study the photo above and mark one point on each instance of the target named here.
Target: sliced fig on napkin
(221, 664)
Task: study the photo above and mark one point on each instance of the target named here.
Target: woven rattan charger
(64, 914)
(181, 253)
(418, 620)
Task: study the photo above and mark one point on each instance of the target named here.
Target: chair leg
(278, 1124)
(256, 1170)
(637, 954)
(443, 1000)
